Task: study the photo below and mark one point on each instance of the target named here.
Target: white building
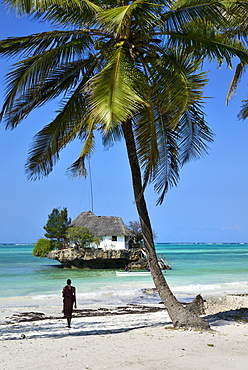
(111, 231)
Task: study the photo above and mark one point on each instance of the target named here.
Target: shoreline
(52, 304)
(50, 309)
(130, 337)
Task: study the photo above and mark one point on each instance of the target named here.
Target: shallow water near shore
(196, 268)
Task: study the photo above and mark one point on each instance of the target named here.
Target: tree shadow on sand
(223, 318)
(31, 325)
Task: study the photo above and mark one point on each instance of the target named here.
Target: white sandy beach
(111, 338)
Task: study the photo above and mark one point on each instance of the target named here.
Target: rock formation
(92, 258)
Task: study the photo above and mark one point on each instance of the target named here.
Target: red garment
(69, 299)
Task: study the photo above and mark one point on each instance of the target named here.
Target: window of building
(114, 238)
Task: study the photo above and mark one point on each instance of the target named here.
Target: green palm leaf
(194, 134)
(145, 132)
(31, 6)
(78, 167)
(206, 42)
(180, 130)
(38, 43)
(45, 75)
(234, 83)
(47, 143)
(116, 90)
(119, 19)
(166, 173)
(244, 110)
(58, 84)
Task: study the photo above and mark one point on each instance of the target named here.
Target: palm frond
(167, 171)
(42, 77)
(234, 83)
(116, 90)
(237, 16)
(79, 17)
(177, 83)
(110, 137)
(243, 114)
(185, 11)
(47, 143)
(27, 46)
(78, 167)
(118, 19)
(31, 6)
(64, 80)
(193, 133)
(181, 132)
(206, 42)
(145, 132)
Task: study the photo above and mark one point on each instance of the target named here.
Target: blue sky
(208, 205)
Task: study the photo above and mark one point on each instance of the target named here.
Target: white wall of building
(108, 243)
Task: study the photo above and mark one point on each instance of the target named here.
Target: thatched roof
(101, 225)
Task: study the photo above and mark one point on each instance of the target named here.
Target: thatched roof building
(101, 226)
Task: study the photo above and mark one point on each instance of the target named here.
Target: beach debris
(87, 312)
(25, 316)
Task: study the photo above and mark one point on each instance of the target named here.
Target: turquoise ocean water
(196, 268)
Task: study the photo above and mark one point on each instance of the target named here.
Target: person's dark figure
(69, 297)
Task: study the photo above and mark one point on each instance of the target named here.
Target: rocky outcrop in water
(92, 258)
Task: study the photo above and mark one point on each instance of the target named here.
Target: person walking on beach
(69, 297)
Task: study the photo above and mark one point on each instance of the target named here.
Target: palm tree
(126, 69)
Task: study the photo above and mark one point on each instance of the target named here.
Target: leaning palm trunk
(178, 314)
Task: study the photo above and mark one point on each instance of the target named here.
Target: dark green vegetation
(127, 70)
(42, 246)
(56, 227)
(59, 234)
(137, 233)
(136, 229)
(81, 237)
